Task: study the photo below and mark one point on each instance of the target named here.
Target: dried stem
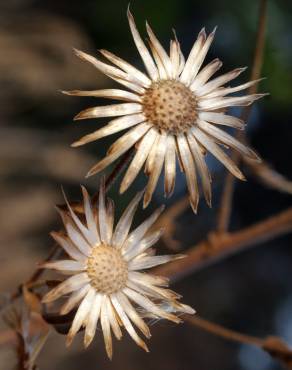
(116, 172)
(222, 332)
(227, 195)
(274, 346)
(219, 246)
(168, 221)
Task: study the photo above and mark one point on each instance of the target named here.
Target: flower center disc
(107, 269)
(171, 106)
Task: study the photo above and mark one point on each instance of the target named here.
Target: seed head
(107, 269)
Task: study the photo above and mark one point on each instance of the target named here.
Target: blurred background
(250, 292)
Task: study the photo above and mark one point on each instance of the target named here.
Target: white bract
(108, 282)
(171, 112)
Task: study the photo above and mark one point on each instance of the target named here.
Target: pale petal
(205, 74)
(69, 285)
(149, 306)
(124, 224)
(112, 316)
(110, 216)
(69, 247)
(179, 157)
(177, 69)
(107, 93)
(194, 53)
(106, 330)
(175, 58)
(131, 136)
(151, 261)
(123, 144)
(169, 166)
(152, 291)
(160, 51)
(81, 315)
(180, 307)
(90, 220)
(109, 111)
(102, 215)
(129, 85)
(156, 170)
(142, 245)
(132, 314)
(218, 103)
(116, 125)
(201, 56)
(139, 159)
(227, 139)
(137, 234)
(93, 317)
(107, 69)
(222, 119)
(213, 148)
(65, 265)
(74, 299)
(144, 80)
(231, 90)
(74, 234)
(77, 238)
(150, 279)
(190, 171)
(143, 51)
(83, 229)
(151, 157)
(182, 62)
(126, 322)
(202, 167)
(219, 81)
(161, 69)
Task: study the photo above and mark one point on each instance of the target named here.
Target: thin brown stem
(228, 189)
(274, 346)
(223, 332)
(116, 172)
(219, 246)
(168, 221)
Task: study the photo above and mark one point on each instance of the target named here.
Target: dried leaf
(37, 348)
(31, 300)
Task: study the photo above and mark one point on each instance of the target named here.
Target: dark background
(250, 292)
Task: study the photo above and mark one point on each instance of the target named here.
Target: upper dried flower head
(171, 112)
(108, 283)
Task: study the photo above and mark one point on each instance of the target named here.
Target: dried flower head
(108, 283)
(174, 111)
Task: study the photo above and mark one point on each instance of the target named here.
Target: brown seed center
(171, 106)
(107, 269)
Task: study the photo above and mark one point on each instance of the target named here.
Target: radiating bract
(172, 112)
(108, 282)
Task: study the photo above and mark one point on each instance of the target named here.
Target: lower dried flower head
(108, 282)
(172, 112)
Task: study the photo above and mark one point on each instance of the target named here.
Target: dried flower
(108, 282)
(172, 112)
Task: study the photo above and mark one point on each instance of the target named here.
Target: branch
(227, 195)
(274, 346)
(269, 176)
(168, 221)
(219, 246)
